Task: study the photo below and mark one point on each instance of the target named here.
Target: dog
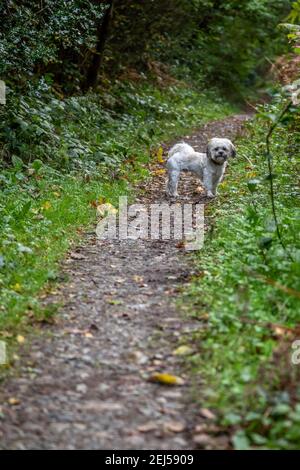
(209, 167)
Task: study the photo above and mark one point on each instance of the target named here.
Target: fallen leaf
(148, 427)
(174, 426)
(159, 155)
(20, 339)
(183, 350)
(202, 439)
(94, 204)
(104, 210)
(206, 413)
(166, 379)
(46, 206)
(17, 287)
(88, 335)
(159, 172)
(180, 244)
(200, 428)
(138, 357)
(203, 316)
(13, 401)
(138, 278)
(74, 255)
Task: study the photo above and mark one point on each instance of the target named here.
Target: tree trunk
(102, 35)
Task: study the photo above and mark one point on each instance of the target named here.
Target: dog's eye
(224, 148)
(217, 148)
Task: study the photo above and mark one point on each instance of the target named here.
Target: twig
(270, 168)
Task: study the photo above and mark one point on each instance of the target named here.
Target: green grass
(243, 358)
(66, 155)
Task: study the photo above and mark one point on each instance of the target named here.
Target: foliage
(293, 26)
(219, 41)
(200, 38)
(65, 156)
(56, 40)
(37, 37)
(248, 295)
(80, 132)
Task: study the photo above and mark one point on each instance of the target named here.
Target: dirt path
(83, 382)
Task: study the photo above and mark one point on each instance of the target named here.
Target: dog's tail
(181, 147)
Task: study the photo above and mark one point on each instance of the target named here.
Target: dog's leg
(214, 186)
(173, 183)
(208, 184)
(215, 183)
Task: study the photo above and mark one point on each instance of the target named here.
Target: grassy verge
(247, 295)
(60, 156)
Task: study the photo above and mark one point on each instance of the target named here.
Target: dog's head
(219, 150)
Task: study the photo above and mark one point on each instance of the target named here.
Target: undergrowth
(247, 293)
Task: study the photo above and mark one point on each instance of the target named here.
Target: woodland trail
(82, 383)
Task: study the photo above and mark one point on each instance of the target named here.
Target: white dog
(209, 167)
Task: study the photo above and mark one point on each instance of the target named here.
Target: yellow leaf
(88, 335)
(17, 287)
(13, 401)
(20, 339)
(46, 206)
(56, 194)
(166, 379)
(106, 209)
(160, 171)
(204, 316)
(159, 155)
(182, 350)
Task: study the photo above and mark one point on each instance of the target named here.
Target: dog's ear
(233, 150)
(208, 150)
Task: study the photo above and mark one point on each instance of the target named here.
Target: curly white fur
(209, 167)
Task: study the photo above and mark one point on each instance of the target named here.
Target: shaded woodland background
(69, 43)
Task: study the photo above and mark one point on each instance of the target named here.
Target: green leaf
(240, 441)
(252, 185)
(265, 243)
(17, 162)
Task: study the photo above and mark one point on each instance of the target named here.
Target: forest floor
(84, 381)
